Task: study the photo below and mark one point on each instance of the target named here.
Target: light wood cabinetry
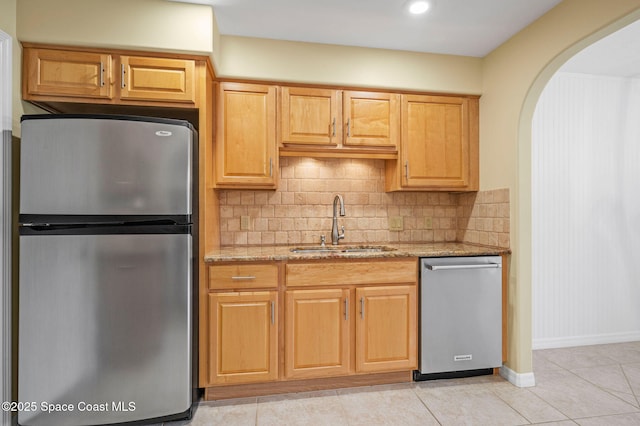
(439, 145)
(96, 76)
(378, 297)
(242, 276)
(245, 145)
(386, 328)
(243, 323)
(310, 116)
(50, 72)
(244, 337)
(149, 79)
(329, 122)
(317, 333)
(372, 119)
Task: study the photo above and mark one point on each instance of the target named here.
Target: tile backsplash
(301, 209)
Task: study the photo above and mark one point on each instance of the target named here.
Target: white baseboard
(594, 339)
(521, 380)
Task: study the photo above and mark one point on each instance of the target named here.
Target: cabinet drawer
(243, 276)
(351, 273)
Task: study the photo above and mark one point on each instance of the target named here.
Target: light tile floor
(589, 385)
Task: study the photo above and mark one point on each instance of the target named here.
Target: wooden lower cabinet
(243, 339)
(386, 328)
(336, 327)
(317, 333)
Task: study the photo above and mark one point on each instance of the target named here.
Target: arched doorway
(520, 320)
(585, 218)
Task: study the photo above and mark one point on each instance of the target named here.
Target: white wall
(586, 211)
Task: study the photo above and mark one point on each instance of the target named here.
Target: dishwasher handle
(463, 266)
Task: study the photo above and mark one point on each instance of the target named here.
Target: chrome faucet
(335, 237)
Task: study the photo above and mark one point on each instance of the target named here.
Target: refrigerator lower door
(105, 328)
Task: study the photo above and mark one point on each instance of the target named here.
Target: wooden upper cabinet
(101, 77)
(67, 73)
(310, 116)
(338, 123)
(146, 78)
(371, 119)
(245, 146)
(439, 145)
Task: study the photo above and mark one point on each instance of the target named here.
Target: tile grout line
(517, 411)
(605, 389)
(425, 404)
(552, 405)
(629, 383)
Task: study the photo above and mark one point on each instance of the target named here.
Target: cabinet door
(157, 79)
(386, 328)
(245, 145)
(310, 116)
(435, 141)
(371, 119)
(317, 337)
(243, 341)
(67, 73)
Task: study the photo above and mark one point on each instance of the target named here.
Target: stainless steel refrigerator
(106, 275)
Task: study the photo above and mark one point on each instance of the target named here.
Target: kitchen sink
(342, 249)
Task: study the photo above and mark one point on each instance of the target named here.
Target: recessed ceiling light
(419, 6)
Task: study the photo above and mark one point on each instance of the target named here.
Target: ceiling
(616, 55)
(457, 27)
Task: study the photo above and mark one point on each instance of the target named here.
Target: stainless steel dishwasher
(460, 316)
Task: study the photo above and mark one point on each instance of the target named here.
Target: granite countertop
(283, 252)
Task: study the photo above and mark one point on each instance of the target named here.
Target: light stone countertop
(283, 252)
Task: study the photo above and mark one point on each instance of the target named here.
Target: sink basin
(341, 249)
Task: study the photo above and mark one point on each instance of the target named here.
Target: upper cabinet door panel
(68, 73)
(246, 135)
(435, 141)
(371, 119)
(143, 78)
(310, 116)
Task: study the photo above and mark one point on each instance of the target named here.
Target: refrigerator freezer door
(98, 166)
(105, 327)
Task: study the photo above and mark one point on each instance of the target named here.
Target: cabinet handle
(406, 169)
(348, 127)
(362, 307)
(270, 167)
(246, 277)
(101, 74)
(273, 312)
(346, 309)
(333, 125)
(122, 76)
